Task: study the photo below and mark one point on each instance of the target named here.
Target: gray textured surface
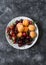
(35, 9)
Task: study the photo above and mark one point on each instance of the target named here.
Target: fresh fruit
(20, 45)
(33, 34)
(20, 41)
(17, 22)
(20, 27)
(25, 29)
(31, 27)
(11, 27)
(16, 31)
(13, 35)
(25, 22)
(8, 29)
(21, 20)
(19, 34)
(29, 43)
(28, 37)
(13, 38)
(24, 34)
(30, 22)
(11, 32)
(14, 41)
(10, 37)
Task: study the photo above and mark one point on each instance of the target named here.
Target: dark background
(35, 9)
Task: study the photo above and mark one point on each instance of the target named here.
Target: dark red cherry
(8, 29)
(30, 22)
(17, 22)
(24, 34)
(20, 45)
(20, 42)
(16, 31)
(10, 37)
(28, 37)
(13, 35)
(29, 43)
(14, 41)
(12, 27)
(11, 32)
(21, 20)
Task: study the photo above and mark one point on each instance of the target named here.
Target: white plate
(16, 45)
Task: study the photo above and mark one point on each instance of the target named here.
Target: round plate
(16, 45)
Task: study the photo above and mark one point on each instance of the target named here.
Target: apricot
(19, 34)
(25, 29)
(20, 27)
(31, 27)
(25, 22)
(33, 34)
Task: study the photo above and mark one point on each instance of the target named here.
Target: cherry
(20, 42)
(10, 37)
(16, 31)
(15, 42)
(13, 35)
(29, 43)
(17, 22)
(21, 20)
(11, 27)
(28, 37)
(30, 22)
(20, 45)
(8, 29)
(24, 34)
(11, 32)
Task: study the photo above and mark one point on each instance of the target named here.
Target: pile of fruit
(22, 32)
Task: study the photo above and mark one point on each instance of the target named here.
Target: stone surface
(35, 9)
